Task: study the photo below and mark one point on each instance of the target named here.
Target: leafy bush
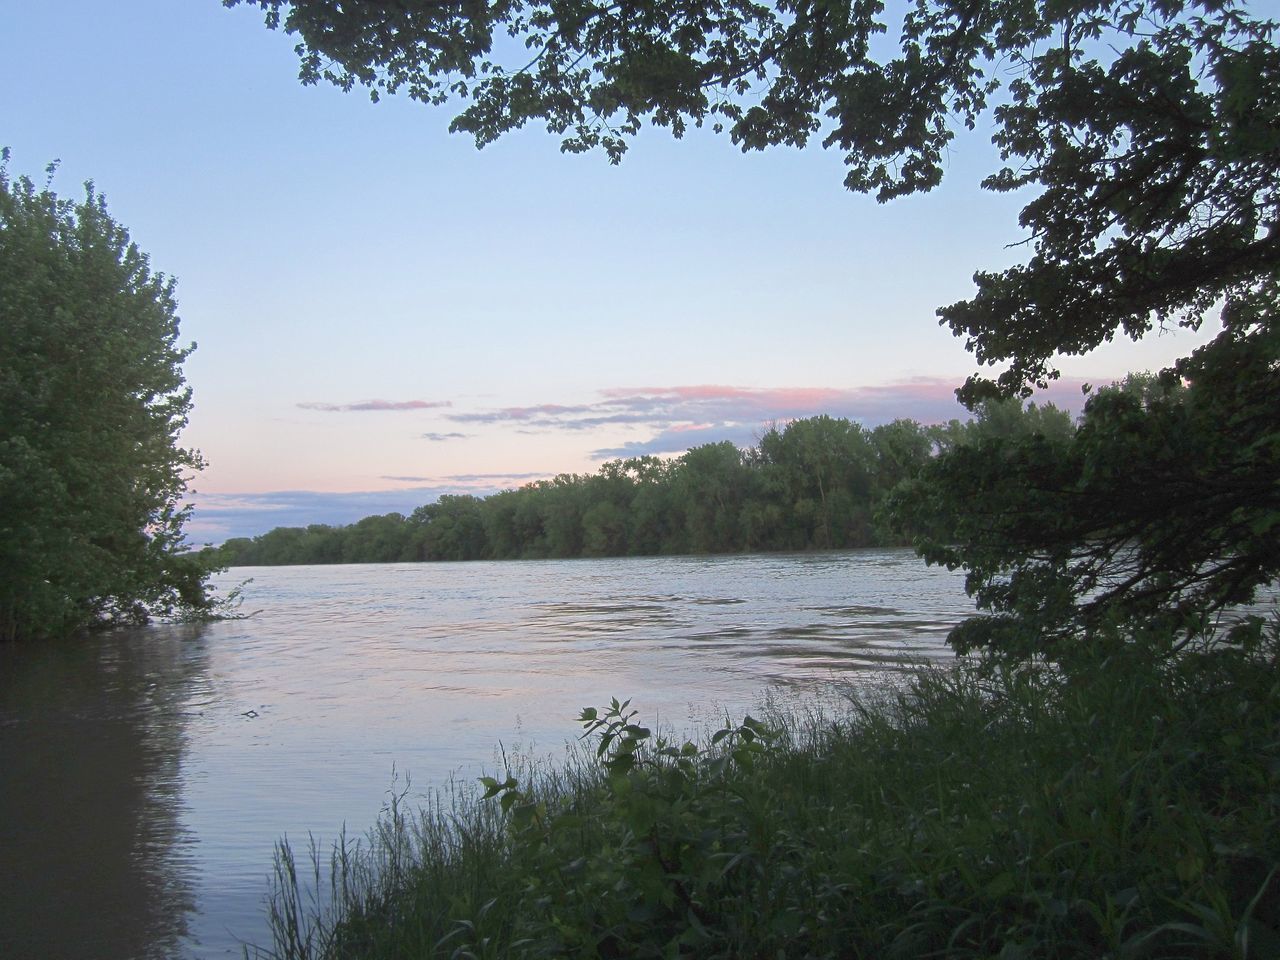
(92, 402)
(1027, 813)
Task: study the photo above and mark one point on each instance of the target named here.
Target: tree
(452, 528)
(92, 400)
(382, 538)
(709, 485)
(901, 449)
(1149, 125)
(823, 466)
(656, 522)
(1150, 516)
(560, 503)
(1145, 132)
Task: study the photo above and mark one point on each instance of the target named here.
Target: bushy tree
(1150, 517)
(452, 528)
(823, 466)
(1146, 134)
(92, 400)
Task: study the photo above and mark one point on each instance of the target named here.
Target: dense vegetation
(1145, 135)
(813, 484)
(92, 399)
(1152, 518)
(969, 817)
(1104, 779)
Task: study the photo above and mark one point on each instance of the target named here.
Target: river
(146, 774)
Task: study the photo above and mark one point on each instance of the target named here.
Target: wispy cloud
(662, 420)
(221, 516)
(501, 479)
(679, 417)
(542, 413)
(729, 409)
(376, 405)
(442, 437)
(678, 440)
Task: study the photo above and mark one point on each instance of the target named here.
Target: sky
(384, 313)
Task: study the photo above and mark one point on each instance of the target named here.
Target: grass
(1131, 810)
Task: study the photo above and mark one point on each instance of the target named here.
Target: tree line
(1145, 133)
(812, 484)
(1143, 138)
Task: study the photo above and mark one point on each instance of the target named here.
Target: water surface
(146, 774)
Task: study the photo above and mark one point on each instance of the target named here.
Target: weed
(1130, 810)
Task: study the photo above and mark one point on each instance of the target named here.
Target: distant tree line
(814, 484)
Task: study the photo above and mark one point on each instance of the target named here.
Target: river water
(145, 775)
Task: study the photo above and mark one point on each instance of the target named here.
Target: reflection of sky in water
(293, 720)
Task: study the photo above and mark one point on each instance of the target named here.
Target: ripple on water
(222, 739)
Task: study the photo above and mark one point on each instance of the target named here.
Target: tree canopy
(1149, 127)
(1144, 133)
(92, 399)
(811, 484)
(1150, 514)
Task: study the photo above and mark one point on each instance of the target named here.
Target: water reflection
(97, 863)
(145, 776)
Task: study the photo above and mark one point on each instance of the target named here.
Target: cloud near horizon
(376, 405)
(680, 417)
(503, 479)
(664, 420)
(221, 516)
(677, 440)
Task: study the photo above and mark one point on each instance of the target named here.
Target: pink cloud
(692, 427)
(716, 392)
(539, 412)
(686, 416)
(379, 405)
(704, 406)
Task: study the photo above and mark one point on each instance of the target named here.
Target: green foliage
(813, 484)
(1144, 523)
(664, 837)
(1135, 813)
(1149, 127)
(822, 469)
(1144, 134)
(92, 400)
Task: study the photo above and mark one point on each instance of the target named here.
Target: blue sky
(385, 313)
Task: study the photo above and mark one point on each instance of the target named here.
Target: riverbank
(1135, 814)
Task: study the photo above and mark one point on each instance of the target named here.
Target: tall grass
(1131, 810)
